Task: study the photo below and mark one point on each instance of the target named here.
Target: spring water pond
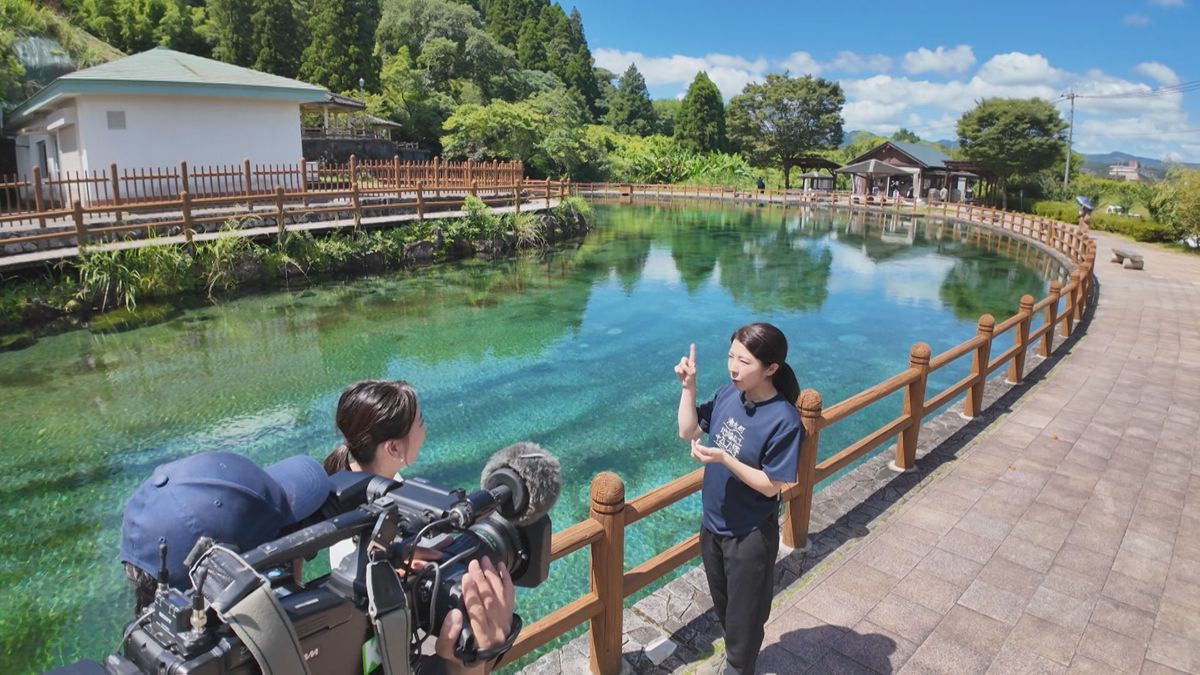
(571, 348)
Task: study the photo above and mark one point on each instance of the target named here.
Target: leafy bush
(1067, 212)
(1138, 228)
(526, 227)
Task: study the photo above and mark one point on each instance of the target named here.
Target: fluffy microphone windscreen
(540, 474)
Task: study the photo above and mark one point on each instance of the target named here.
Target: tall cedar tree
(227, 23)
(786, 118)
(579, 73)
(1012, 136)
(544, 38)
(278, 42)
(629, 109)
(700, 122)
(341, 45)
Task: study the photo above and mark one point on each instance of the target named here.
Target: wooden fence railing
(604, 530)
(365, 190)
(37, 197)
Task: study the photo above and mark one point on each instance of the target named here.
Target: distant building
(156, 108)
(927, 167)
(1130, 171)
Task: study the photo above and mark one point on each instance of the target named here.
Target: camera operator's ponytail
(368, 413)
(338, 460)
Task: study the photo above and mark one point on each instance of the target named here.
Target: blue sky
(921, 65)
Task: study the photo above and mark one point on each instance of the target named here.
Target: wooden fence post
(517, 195)
(1050, 316)
(304, 179)
(116, 185)
(185, 208)
(1016, 369)
(607, 573)
(437, 181)
(420, 200)
(396, 174)
(799, 508)
(354, 189)
(1077, 304)
(247, 180)
(184, 180)
(474, 189)
(81, 233)
(914, 409)
(1064, 326)
(1072, 310)
(279, 208)
(979, 365)
(37, 195)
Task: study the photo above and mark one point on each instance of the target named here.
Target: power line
(1180, 88)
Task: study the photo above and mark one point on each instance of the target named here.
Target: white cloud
(730, 73)
(1138, 20)
(881, 102)
(1018, 68)
(801, 63)
(1158, 72)
(940, 60)
(850, 62)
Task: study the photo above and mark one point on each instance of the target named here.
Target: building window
(116, 119)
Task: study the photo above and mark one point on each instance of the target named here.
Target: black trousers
(741, 577)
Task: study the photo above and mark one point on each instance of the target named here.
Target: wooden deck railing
(360, 191)
(610, 513)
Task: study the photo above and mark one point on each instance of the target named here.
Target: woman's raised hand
(686, 369)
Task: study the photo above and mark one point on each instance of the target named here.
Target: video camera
(247, 614)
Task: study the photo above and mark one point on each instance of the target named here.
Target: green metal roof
(163, 71)
(930, 157)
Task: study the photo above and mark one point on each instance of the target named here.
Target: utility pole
(1070, 134)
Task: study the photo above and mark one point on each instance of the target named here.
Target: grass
(99, 280)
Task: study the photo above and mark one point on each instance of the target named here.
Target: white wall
(161, 131)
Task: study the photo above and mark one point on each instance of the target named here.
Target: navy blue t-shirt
(767, 438)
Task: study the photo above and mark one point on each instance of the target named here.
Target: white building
(155, 109)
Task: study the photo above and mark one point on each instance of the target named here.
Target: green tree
(277, 39)
(226, 28)
(629, 108)
(1010, 136)
(783, 119)
(700, 124)
(1177, 202)
(905, 136)
(407, 96)
(447, 41)
(340, 51)
(666, 109)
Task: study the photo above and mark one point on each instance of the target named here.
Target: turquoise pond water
(572, 349)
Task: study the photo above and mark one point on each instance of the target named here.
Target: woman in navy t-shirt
(754, 436)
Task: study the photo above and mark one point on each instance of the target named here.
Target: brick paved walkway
(1065, 539)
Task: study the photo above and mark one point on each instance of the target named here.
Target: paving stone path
(1057, 533)
(1064, 539)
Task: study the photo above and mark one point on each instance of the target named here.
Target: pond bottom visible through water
(570, 348)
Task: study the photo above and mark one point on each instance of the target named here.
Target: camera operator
(383, 431)
(219, 495)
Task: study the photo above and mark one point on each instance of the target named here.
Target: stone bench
(1121, 255)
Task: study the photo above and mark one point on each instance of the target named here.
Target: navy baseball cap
(220, 495)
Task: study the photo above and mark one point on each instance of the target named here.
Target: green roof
(165, 71)
(930, 157)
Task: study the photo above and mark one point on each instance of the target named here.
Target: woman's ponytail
(785, 383)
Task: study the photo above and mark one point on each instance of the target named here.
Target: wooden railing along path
(358, 190)
(603, 532)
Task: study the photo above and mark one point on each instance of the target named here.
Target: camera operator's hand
(488, 596)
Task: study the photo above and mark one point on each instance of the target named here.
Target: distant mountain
(1109, 158)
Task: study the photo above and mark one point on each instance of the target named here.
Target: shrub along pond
(570, 347)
